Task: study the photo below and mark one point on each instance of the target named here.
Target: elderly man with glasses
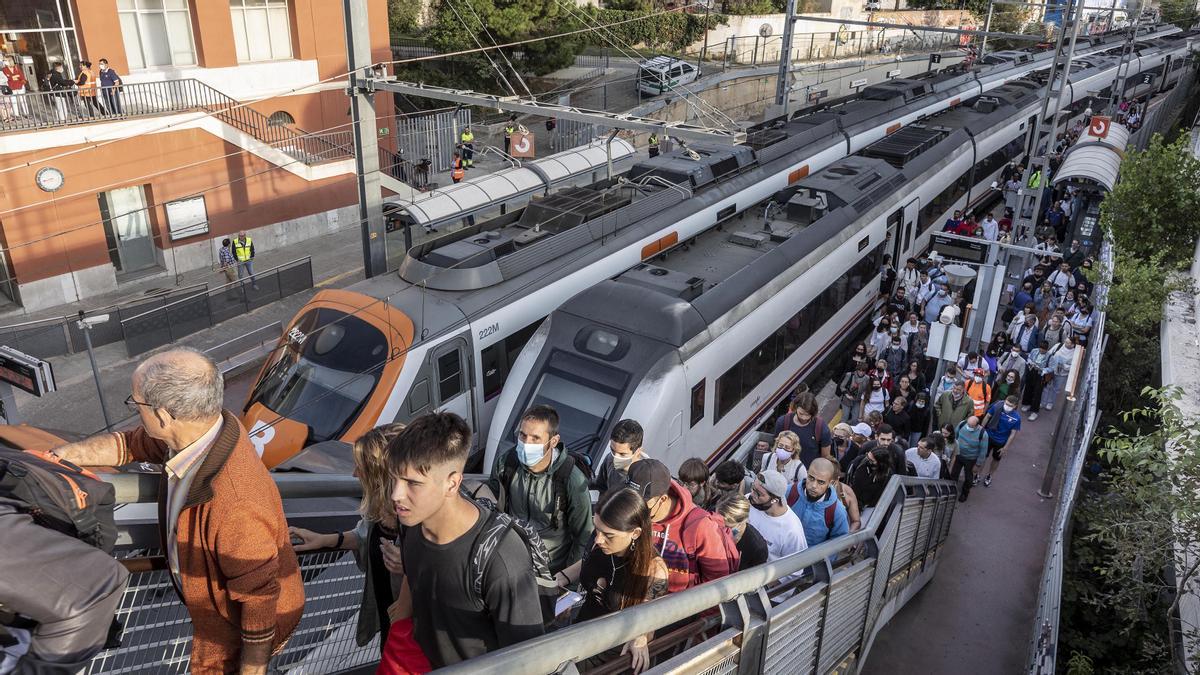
(221, 518)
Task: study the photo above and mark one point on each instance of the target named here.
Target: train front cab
(330, 377)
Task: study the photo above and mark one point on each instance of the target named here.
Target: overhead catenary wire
(342, 76)
(475, 38)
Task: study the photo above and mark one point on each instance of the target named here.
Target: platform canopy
(1096, 156)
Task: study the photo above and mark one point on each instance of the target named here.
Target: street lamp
(944, 332)
(86, 323)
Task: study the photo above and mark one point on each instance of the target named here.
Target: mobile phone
(297, 540)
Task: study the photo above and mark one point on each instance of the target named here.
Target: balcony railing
(53, 109)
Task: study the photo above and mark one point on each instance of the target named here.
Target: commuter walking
(786, 458)
(693, 476)
(809, 428)
(925, 462)
(460, 611)
(85, 81)
(778, 524)
(622, 569)
(1002, 422)
(540, 483)
(1061, 357)
(729, 478)
(226, 539)
(696, 545)
(751, 546)
(466, 144)
(868, 475)
(110, 88)
(62, 88)
(972, 447)
(1037, 369)
(625, 448)
(243, 251)
(15, 80)
(822, 514)
(372, 540)
(226, 261)
(918, 418)
(979, 391)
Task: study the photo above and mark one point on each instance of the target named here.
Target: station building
(178, 164)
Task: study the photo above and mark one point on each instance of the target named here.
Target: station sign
(26, 372)
(960, 249)
(522, 145)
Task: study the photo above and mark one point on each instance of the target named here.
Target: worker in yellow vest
(456, 169)
(466, 142)
(510, 128)
(654, 144)
(243, 251)
(1035, 179)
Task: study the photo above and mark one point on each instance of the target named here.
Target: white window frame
(278, 46)
(137, 10)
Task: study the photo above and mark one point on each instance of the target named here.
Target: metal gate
(431, 136)
(571, 134)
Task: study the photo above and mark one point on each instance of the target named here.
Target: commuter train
(445, 332)
(701, 346)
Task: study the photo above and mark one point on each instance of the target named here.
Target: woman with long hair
(735, 509)
(785, 458)
(372, 539)
(623, 568)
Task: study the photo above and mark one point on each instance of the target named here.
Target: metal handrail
(216, 290)
(548, 653)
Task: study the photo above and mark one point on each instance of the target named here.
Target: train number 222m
(494, 328)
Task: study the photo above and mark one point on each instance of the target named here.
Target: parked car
(661, 74)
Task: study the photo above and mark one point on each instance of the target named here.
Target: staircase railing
(46, 110)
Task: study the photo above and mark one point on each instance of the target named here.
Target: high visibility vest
(1036, 179)
(466, 137)
(654, 140)
(457, 173)
(88, 87)
(979, 393)
(509, 130)
(241, 250)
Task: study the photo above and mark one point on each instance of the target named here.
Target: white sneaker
(1024, 408)
(1049, 406)
(1032, 416)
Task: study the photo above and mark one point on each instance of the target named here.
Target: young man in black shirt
(452, 621)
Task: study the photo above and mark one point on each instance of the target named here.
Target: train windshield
(585, 395)
(324, 372)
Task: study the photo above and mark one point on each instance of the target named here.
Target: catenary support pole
(366, 142)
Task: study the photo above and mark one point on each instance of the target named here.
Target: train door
(895, 239)
(911, 213)
(451, 365)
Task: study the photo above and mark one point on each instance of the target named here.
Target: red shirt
(16, 77)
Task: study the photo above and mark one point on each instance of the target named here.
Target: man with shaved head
(220, 515)
(821, 512)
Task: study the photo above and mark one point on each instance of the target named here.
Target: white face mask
(1009, 408)
(622, 462)
(782, 453)
(530, 453)
(978, 378)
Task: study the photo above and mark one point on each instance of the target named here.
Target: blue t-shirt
(810, 444)
(1005, 423)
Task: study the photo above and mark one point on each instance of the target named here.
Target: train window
(584, 393)
(497, 360)
(698, 402)
(729, 389)
(450, 375)
(418, 398)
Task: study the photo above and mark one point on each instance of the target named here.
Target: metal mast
(1046, 124)
(366, 142)
(783, 83)
(1118, 87)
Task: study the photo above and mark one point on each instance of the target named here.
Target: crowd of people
(92, 93)
(454, 570)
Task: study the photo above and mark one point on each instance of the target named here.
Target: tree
(1182, 13)
(1153, 212)
(1128, 535)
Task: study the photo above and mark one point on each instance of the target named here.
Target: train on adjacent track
(445, 333)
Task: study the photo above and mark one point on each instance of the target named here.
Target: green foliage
(1118, 597)
(673, 31)
(752, 6)
(403, 16)
(1182, 13)
(1153, 213)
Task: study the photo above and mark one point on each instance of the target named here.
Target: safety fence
(426, 139)
(1073, 436)
(146, 323)
(812, 612)
(755, 50)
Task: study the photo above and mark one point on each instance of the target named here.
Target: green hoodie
(531, 498)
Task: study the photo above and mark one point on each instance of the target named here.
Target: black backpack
(60, 496)
(561, 480)
(496, 525)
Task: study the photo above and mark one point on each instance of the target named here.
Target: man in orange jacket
(979, 392)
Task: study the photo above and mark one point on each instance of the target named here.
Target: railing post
(755, 624)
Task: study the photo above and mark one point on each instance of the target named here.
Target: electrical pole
(987, 26)
(783, 85)
(1118, 86)
(366, 142)
(1046, 124)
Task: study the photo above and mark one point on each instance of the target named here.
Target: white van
(664, 73)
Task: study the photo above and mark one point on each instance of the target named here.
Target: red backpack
(793, 496)
(731, 551)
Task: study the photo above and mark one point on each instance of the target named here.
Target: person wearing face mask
(1060, 359)
(971, 440)
(1003, 422)
(868, 476)
(735, 509)
(845, 449)
(934, 306)
(1026, 336)
(1013, 360)
(625, 448)
(910, 278)
(778, 524)
(853, 386)
(1037, 369)
(540, 483)
(110, 88)
(785, 458)
(895, 354)
(876, 398)
(979, 391)
(880, 338)
(918, 418)
(14, 78)
(974, 360)
(821, 513)
(859, 355)
(807, 425)
(1083, 324)
(696, 545)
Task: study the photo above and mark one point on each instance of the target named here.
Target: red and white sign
(1100, 126)
(522, 145)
